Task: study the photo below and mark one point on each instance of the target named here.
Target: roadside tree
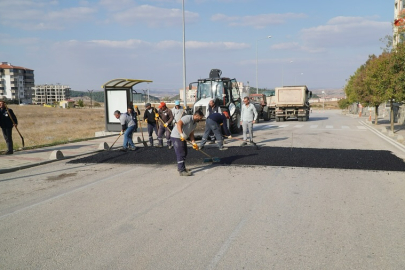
(396, 90)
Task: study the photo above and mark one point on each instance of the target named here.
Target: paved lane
(136, 216)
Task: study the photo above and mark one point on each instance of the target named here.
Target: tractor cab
(225, 94)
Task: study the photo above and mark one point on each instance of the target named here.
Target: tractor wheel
(235, 126)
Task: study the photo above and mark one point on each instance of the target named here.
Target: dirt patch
(60, 176)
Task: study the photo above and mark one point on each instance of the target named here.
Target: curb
(387, 133)
(44, 162)
(388, 139)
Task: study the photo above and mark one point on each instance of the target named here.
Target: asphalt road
(117, 211)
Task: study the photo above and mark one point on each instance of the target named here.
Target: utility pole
(91, 98)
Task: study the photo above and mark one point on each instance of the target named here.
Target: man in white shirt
(248, 118)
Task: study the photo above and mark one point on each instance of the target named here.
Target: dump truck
(265, 106)
(224, 92)
(260, 102)
(271, 107)
(261, 105)
(292, 102)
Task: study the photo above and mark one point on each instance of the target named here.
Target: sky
(84, 44)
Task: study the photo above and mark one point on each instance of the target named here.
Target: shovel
(114, 142)
(143, 139)
(254, 144)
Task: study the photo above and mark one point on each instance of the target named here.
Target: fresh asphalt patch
(266, 156)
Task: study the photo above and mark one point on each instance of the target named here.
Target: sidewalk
(30, 158)
(384, 127)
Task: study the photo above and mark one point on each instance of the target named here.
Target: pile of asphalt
(249, 155)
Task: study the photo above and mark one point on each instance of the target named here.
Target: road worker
(216, 123)
(248, 118)
(178, 112)
(151, 118)
(184, 130)
(127, 129)
(165, 122)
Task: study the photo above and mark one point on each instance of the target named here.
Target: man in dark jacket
(8, 120)
(151, 118)
(214, 123)
(212, 108)
(166, 116)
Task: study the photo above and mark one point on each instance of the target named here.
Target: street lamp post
(257, 80)
(46, 94)
(184, 58)
(323, 93)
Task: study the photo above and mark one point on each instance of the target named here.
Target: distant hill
(99, 96)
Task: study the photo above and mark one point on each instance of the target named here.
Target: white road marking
(387, 139)
(298, 126)
(328, 126)
(345, 127)
(314, 126)
(361, 127)
(284, 126)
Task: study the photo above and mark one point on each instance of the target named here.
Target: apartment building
(16, 83)
(399, 22)
(50, 93)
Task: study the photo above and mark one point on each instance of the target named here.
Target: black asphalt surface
(266, 156)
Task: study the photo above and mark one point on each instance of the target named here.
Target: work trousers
(8, 136)
(247, 125)
(164, 131)
(151, 128)
(212, 127)
(180, 148)
(128, 137)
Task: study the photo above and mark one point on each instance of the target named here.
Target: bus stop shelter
(117, 96)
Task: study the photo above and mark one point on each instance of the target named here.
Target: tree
(396, 89)
(80, 103)
(343, 103)
(377, 80)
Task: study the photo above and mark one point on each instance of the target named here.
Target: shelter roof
(123, 83)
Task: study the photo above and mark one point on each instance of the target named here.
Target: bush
(80, 103)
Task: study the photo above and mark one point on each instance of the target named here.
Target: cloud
(41, 15)
(286, 46)
(8, 40)
(153, 16)
(258, 21)
(345, 32)
(136, 44)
